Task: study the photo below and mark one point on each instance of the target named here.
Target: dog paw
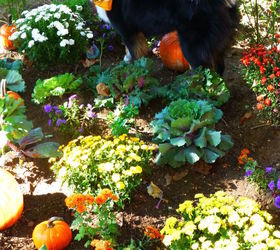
(127, 58)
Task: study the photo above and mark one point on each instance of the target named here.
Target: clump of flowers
(94, 217)
(268, 178)
(51, 34)
(71, 117)
(153, 233)
(220, 222)
(261, 68)
(91, 163)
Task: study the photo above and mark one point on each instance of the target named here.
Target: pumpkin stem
(52, 220)
(3, 88)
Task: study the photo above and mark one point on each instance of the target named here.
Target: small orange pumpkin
(104, 4)
(11, 94)
(54, 233)
(7, 30)
(171, 53)
(11, 203)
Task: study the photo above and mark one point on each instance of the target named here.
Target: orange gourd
(54, 233)
(11, 94)
(171, 53)
(104, 4)
(7, 30)
(11, 201)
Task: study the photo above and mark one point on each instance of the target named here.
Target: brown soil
(43, 197)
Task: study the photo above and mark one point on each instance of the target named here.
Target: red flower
(264, 80)
(270, 87)
(267, 102)
(259, 106)
(272, 76)
(278, 73)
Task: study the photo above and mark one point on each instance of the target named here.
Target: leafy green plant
(71, 117)
(55, 86)
(122, 118)
(201, 84)
(134, 80)
(220, 222)
(14, 7)
(13, 122)
(185, 132)
(94, 216)
(11, 72)
(90, 163)
(51, 34)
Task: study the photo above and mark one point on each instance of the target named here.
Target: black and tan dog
(205, 27)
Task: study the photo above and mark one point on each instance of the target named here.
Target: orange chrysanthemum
(101, 245)
(153, 233)
(104, 195)
(100, 199)
(79, 201)
(245, 151)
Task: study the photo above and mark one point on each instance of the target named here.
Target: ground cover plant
(92, 163)
(220, 222)
(55, 86)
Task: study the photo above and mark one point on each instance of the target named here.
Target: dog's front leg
(127, 57)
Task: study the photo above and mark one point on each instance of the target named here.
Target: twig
(261, 125)
(225, 122)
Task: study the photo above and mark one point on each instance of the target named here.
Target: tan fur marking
(140, 47)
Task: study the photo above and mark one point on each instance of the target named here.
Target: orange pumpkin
(7, 30)
(104, 4)
(171, 53)
(11, 201)
(54, 233)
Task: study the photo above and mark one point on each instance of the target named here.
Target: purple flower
(103, 35)
(48, 108)
(91, 114)
(58, 112)
(80, 130)
(248, 173)
(111, 48)
(60, 121)
(271, 185)
(50, 122)
(278, 183)
(277, 201)
(70, 103)
(269, 169)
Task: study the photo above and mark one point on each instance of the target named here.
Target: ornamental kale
(202, 84)
(134, 80)
(185, 132)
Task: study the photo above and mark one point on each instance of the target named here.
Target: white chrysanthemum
(116, 177)
(57, 15)
(23, 35)
(79, 8)
(83, 33)
(89, 35)
(14, 36)
(71, 42)
(31, 43)
(63, 43)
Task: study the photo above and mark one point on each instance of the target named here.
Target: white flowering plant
(220, 222)
(51, 34)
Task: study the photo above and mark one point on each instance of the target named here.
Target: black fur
(206, 28)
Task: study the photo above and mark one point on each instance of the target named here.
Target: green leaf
(181, 123)
(209, 156)
(178, 141)
(201, 141)
(34, 136)
(180, 156)
(15, 81)
(192, 154)
(43, 150)
(213, 137)
(164, 147)
(226, 143)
